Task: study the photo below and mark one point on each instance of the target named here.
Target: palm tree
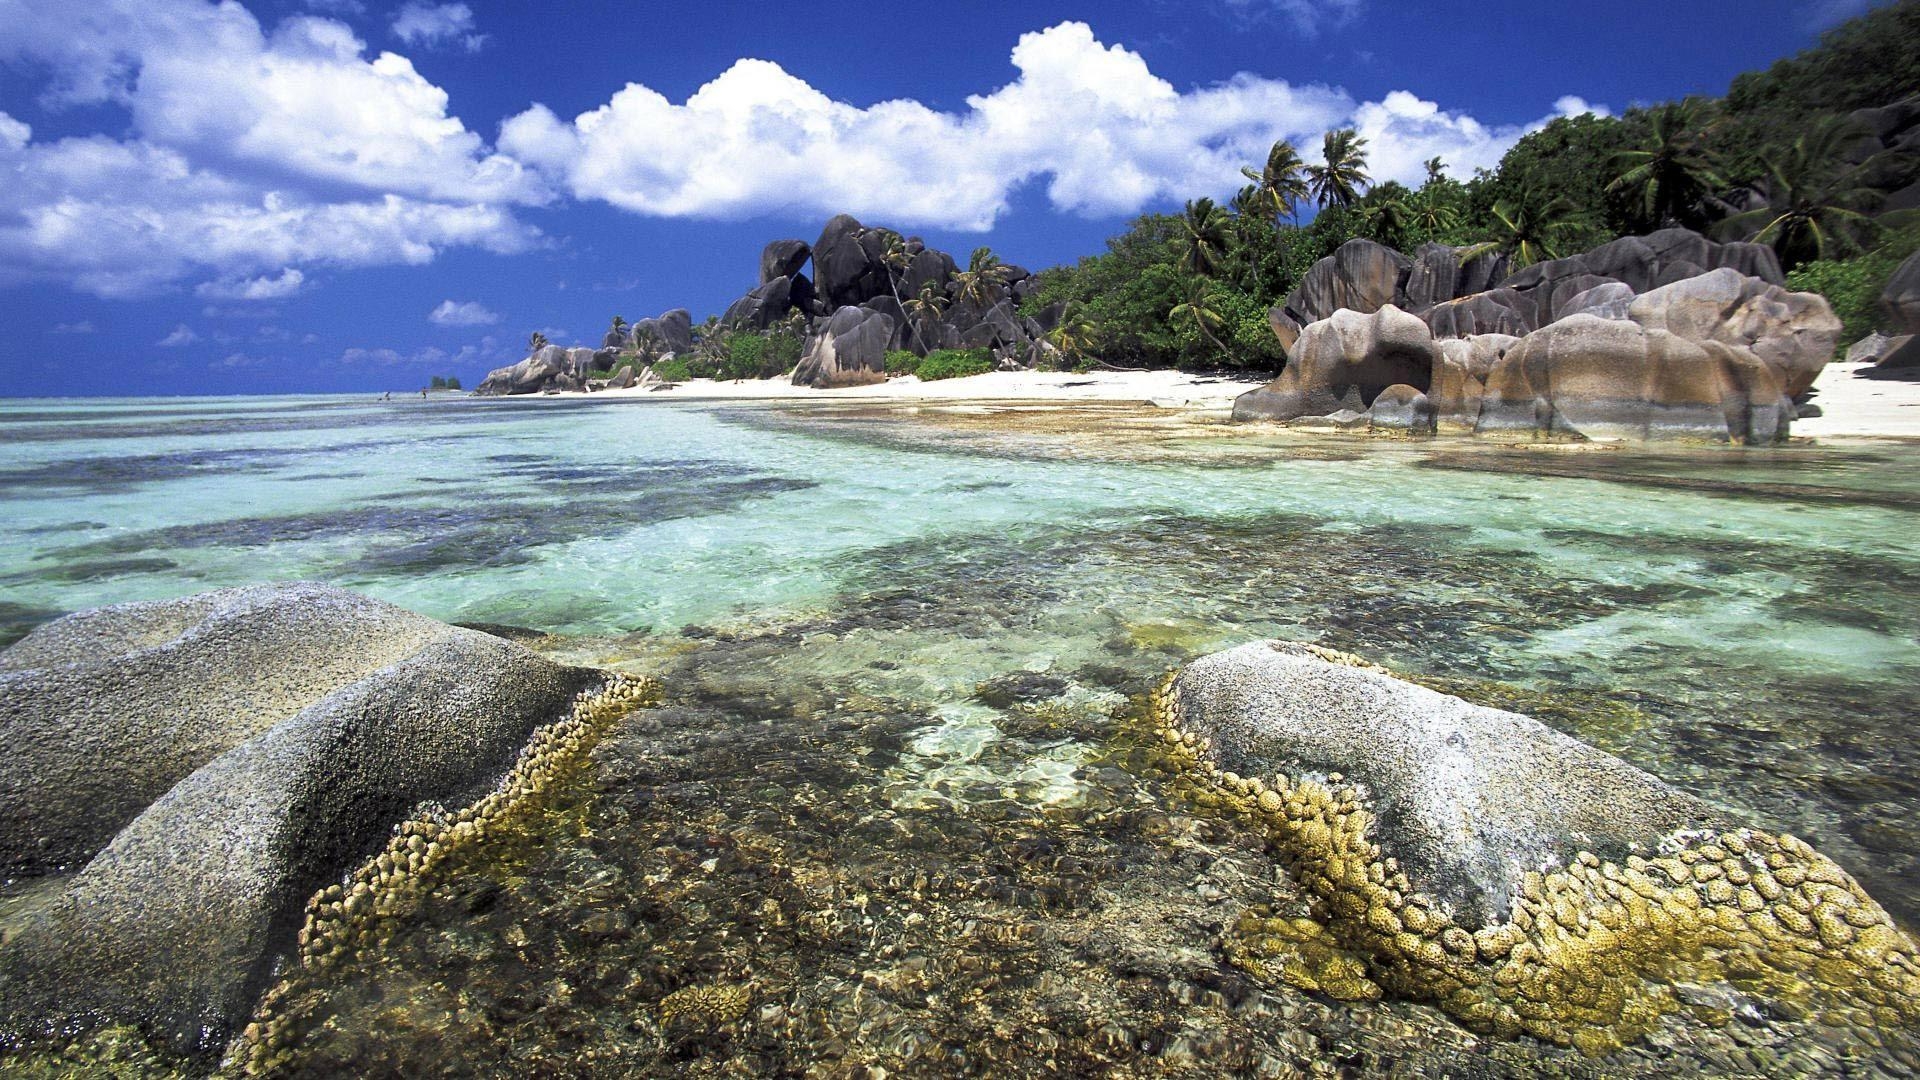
(1204, 237)
(897, 259)
(1073, 336)
(1436, 170)
(619, 326)
(1387, 212)
(924, 311)
(1815, 201)
(1282, 184)
(979, 284)
(1199, 309)
(1529, 229)
(537, 341)
(1672, 170)
(1431, 216)
(1338, 181)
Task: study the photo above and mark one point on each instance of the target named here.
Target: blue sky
(323, 195)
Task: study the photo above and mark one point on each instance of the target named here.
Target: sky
(279, 196)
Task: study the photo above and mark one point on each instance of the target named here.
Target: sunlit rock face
(1522, 880)
(216, 759)
(1707, 344)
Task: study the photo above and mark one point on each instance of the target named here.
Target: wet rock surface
(176, 922)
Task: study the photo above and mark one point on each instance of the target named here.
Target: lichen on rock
(1588, 948)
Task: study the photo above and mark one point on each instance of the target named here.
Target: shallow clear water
(1745, 624)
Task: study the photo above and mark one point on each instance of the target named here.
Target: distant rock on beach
(1663, 336)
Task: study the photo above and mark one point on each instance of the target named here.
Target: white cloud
(1307, 16)
(182, 335)
(1820, 14)
(486, 351)
(466, 313)
(82, 327)
(246, 151)
(235, 361)
(1106, 133)
(432, 25)
(261, 288)
(14, 134)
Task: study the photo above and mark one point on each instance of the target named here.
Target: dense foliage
(954, 364)
(1771, 163)
(444, 382)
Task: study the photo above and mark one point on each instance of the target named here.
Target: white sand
(1168, 389)
(1856, 408)
(1852, 407)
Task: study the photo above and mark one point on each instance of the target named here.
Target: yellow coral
(344, 917)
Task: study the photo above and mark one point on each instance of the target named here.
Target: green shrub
(760, 356)
(674, 370)
(453, 383)
(955, 364)
(439, 383)
(1852, 286)
(902, 362)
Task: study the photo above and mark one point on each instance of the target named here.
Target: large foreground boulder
(216, 760)
(1515, 877)
(1468, 799)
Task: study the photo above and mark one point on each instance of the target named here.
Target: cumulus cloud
(82, 327)
(465, 313)
(261, 288)
(14, 134)
(486, 350)
(238, 360)
(437, 25)
(247, 151)
(1105, 134)
(182, 335)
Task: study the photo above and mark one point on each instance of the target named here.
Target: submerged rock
(261, 740)
(1521, 880)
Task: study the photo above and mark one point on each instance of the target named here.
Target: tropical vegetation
(1775, 162)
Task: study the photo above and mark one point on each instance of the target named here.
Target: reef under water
(902, 803)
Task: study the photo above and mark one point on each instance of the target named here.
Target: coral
(346, 917)
(704, 1007)
(1592, 949)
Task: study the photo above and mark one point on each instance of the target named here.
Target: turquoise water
(1745, 624)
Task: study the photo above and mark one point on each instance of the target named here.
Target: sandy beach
(1852, 407)
(1164, 388)
(1856, 408)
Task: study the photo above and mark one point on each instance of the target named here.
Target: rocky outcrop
(1342, 364)
(1361, 276)
(850, 349)
(1696, 353)
(783, 259)
(1440, 274)
(1513, 876)
(762, 307)
(671, 332)
(214, 761)
(848, 268)
(1499, 311)
(1794, 333)
(1607, 379)
(1900, 300)
(533, 375)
